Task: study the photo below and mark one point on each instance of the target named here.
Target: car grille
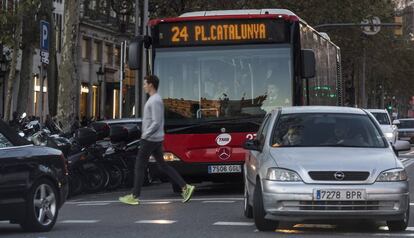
(339, 205)
(330, 175)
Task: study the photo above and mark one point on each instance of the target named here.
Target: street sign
(44, 35)
(44, 42)
(374, 28)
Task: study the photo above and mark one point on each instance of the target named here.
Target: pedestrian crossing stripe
(79, 221)
(160, 222)
(227, 223)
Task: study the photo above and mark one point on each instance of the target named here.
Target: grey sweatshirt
(153, 119)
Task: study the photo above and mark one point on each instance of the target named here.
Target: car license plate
(223, 169)
(338, 194)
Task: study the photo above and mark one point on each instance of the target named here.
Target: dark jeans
(147, 149)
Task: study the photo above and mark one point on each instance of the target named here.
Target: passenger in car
(293, 136)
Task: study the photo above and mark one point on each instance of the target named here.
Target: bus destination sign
(221, 32)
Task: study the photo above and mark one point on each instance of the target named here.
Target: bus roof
(230, 14)
(239, 12)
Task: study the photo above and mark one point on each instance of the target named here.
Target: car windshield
(382, 118)
(326, 129)
(406, 124)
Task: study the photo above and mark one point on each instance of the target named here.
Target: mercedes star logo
(339, 175)
(224, 153)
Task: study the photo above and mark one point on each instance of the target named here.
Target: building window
(97, 51)
(86, 45)
(108, 54)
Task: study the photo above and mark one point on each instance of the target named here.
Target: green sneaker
(129, 199)
(187, 192)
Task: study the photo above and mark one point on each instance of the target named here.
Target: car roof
(321, 109)
(377, 110)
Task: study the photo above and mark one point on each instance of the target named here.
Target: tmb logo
(223, 139)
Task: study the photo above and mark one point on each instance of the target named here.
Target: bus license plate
(222, 169)
(338, 195)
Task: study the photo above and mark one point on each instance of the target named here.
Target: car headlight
(389, 135)
(392, 175)
(282, 175)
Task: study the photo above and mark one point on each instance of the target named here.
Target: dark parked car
(33, 182)
(406, 129)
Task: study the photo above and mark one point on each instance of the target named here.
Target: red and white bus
(221, 71)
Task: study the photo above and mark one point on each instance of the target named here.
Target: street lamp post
(100, 76)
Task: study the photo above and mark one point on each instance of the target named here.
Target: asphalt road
(215, 211)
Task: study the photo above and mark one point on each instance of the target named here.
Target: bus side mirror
(134, 51)
(308, 63)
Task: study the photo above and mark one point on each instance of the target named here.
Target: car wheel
(42, 207)
(248, 209)
(399, 225)
(259, 213)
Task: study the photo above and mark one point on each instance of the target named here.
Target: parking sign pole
(44, 61)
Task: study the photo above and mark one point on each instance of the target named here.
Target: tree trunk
(26, 73)
(68, 75)
(12, 75)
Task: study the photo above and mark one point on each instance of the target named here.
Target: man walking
(151, 144)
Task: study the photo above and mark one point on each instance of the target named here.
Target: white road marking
(218, 201)
(387, 234)
(4, 222)
(409, 163)
(159, 200)
(154, 203)
(94, 204)
(161, 222)
(79, 221)
(228, 223)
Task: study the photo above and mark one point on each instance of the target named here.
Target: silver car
(324, 163)
(389, 129)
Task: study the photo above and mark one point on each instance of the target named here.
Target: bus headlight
(169, 157)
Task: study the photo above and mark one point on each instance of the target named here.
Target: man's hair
(152, 79)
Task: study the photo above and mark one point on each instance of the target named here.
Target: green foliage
(10, 20)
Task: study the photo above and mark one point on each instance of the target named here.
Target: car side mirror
(396, 122)
(401, 145)
(251, 145)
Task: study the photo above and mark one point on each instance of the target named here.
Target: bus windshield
(210, 83)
